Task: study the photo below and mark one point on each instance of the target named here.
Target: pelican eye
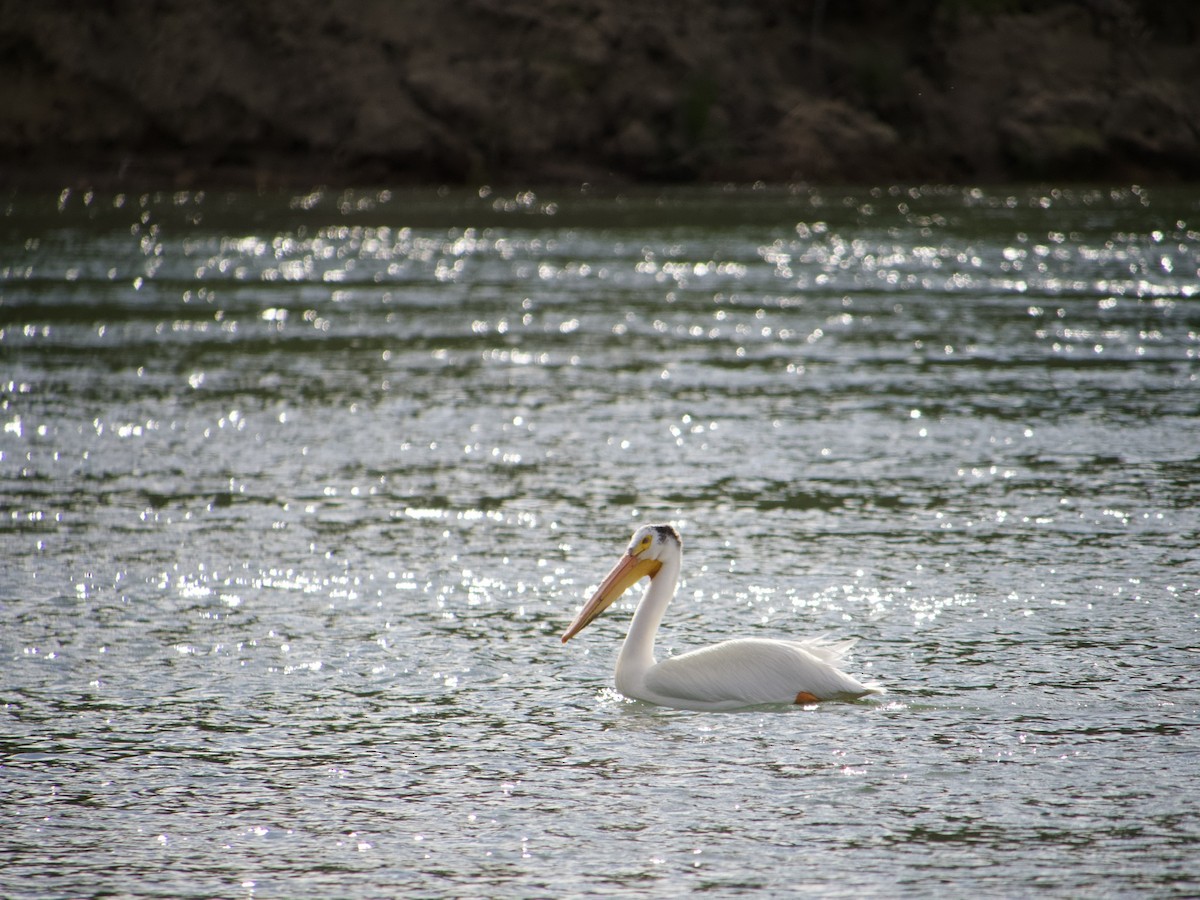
(643, 545)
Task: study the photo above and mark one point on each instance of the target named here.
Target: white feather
(729, 675)
(751, 671)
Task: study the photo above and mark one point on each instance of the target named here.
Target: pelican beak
(625, 573)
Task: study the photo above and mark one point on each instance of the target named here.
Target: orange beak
(628, 571)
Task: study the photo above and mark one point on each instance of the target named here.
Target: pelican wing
(755, 670)
(823, 648)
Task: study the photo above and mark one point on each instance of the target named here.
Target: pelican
(729, 675)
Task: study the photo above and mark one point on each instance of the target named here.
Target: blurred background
(183, 92)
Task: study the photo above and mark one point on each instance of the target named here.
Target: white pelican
(729, 675)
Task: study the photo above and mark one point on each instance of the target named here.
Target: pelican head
(648, 548)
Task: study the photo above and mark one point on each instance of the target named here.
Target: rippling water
(299, 492)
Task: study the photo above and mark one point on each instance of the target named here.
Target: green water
(298, 492)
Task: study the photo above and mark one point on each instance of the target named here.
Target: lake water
(299, 492)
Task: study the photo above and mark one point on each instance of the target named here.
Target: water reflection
(300, 491)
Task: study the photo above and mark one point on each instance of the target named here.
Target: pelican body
(730, 675)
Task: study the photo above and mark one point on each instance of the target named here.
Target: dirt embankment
(175, 92)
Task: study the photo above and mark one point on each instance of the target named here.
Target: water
(299, 492)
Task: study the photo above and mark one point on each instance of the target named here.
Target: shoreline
(211, 93)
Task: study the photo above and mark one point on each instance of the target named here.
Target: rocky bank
(283, 92)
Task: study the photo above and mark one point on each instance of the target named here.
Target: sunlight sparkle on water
(303, 490)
